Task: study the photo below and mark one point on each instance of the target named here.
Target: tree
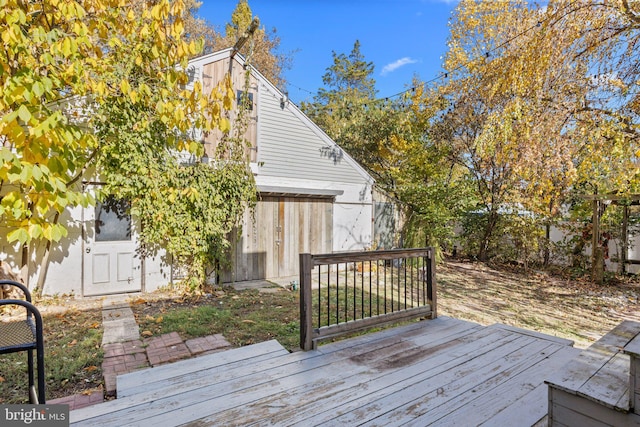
(390, 139)
(262, 51)
(538, 104)
(348, 93)
(68, 70)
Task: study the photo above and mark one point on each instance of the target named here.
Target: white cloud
(389, 68)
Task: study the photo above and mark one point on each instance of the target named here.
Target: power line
(446, 74)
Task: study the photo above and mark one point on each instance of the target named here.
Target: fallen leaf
(159, 319)
(146, 333)
(149, 318)
(72, 343)
(248, 321)
(91, 368)
(2, 379)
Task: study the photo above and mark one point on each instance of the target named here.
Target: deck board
(422, 373)
(591, 374)
(454, 389)
(140, 381)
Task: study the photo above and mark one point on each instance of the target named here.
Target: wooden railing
(345, 292)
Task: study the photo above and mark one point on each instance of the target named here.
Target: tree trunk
(44, 262)
(483, 253)
(24, 265)
(547, 244)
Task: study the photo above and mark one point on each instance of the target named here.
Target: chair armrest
(23, 288)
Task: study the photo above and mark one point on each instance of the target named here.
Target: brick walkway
(121, 358)
(125, 352)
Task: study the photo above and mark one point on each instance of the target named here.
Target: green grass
(243, 317)
(73, 357)
(344, 304)
(249, 316)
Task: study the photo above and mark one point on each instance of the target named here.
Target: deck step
(149, 379)
(200, 383)
(396, 376)
(595, 384)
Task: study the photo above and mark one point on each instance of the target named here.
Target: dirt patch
(557, 305)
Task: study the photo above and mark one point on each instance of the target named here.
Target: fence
(344, 292)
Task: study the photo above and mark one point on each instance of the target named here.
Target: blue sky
(401, 37)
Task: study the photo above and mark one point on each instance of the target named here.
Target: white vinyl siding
(291, 147)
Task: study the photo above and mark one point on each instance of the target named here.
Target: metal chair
(25, 335)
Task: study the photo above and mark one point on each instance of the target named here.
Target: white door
(111, 264)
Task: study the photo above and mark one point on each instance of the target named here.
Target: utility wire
(446, 74)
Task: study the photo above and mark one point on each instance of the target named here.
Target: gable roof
(228, 53)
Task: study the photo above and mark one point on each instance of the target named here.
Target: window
(113, 221)
(244, 98)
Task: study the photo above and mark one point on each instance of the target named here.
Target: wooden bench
(594, 388)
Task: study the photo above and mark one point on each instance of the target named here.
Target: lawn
(556, 304)
(73, 354)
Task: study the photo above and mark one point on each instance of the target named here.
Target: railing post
(306, 323)
(432, 293)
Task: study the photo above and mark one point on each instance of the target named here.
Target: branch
(82, 171)
(629, 13)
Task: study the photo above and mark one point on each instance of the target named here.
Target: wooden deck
(436, 372)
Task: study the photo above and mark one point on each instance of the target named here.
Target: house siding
(285, 137)
(318, 199)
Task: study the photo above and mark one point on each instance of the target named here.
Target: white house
(313, 197)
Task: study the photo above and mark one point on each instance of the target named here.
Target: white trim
(226, 53)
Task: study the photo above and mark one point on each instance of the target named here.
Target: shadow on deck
(442, 372)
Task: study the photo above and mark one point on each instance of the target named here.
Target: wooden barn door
(304, 225)
(280, 229)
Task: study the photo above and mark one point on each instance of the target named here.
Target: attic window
(245, 99)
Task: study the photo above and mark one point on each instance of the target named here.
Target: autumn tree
(97, 86)
(538, 107)
(389, 137)
(263, 50)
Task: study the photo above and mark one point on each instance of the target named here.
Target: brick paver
(78, 401)
(121, 358)
(124, 357)
(166, 348)
(208, 344)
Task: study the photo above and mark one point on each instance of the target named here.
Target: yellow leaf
(225, 125)
(159, 319)
(125, 87)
